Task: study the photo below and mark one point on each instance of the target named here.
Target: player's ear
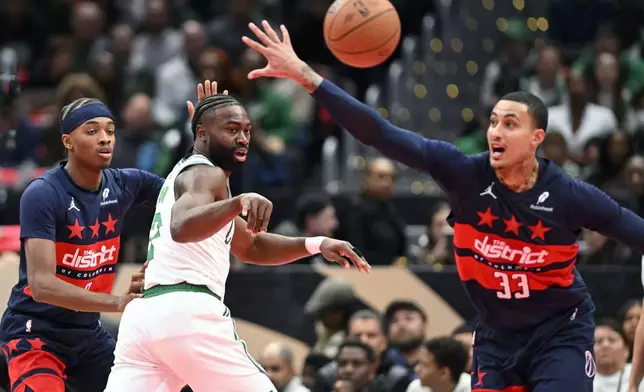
(67, 142)
(538, 135)
(201, 132)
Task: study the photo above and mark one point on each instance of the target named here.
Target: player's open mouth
(105, 152)
(497, 151)
(240, 154)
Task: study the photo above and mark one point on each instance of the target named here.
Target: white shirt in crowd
(597, 121)
(462, 386)
(617, 382)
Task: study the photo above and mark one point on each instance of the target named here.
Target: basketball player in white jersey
(181, 332)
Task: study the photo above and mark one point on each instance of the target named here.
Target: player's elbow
(177, 233)
(40, 286)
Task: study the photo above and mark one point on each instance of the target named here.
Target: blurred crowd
(144, 58)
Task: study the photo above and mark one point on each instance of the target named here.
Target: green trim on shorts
(157, 290)
(243, 343)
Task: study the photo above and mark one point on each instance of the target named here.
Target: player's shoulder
(44, 186)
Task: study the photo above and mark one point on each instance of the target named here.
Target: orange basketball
(362, 33)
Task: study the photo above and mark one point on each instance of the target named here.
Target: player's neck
(447, 386)
(521, 177)
(84, 177)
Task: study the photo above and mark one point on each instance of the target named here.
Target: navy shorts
(554, 357)
(44, 356)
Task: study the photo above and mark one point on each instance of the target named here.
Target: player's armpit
(47, 288)
(202, 207)
(265, 248)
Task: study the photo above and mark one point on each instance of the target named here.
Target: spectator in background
(595, 249)
(158, 42)
(573, 22)
(614, 152)
(474, 139)
(406, 324)
(312, 365)
(629, 316)
(176, 78)
(88, 21)
(356, 368)
(511, 65)
(332, 303)
(611, 354)
(549, 84)
(633, 182)
(440, 368)
(607, 86)
(277, 361)
(464, 334)
(226, 29)
(555, 148)
(370, 221)
(438, 242)
(580, 120)
(366, 326)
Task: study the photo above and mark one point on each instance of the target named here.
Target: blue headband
(82, 114)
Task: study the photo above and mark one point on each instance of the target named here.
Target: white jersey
(204, 263)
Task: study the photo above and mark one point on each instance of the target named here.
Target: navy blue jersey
(515, 252)
(86, 227)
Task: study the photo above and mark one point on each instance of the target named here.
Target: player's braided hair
(208, 106)
(79, 103)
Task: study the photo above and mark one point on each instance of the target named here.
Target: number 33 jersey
(205, 263)
(516, 252)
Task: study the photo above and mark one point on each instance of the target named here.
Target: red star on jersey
(479, 375)
(110, 224)
(36, 344)
(512, 225)
(95, 228)
(12, 346)
(539, 231)
(487, 217)
(76, 230)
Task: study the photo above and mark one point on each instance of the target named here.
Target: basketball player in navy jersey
(70, 225)
(516, 221)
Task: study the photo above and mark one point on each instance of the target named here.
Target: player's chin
(104, 163)
(497, 163)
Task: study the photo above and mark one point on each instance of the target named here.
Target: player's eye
(509, 124)
(110, 131)
(91, 131)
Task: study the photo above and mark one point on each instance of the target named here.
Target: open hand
(205, 89)
(342, 252)
(282, 60)
(258, 209)
(126, 299)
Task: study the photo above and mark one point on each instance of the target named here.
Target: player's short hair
(537, 110)
(352, 343)
(612, 324)
(208, 106)
(463, 328)
(450, 353)
(310, 204)
(77, 104)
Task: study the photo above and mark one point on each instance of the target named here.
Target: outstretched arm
(274, 249)
(38, 233)
(637, 369)
(604, 215)
(442, 160)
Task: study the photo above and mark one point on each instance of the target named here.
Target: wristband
(312, 244)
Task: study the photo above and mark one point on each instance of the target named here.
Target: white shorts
(182, 338)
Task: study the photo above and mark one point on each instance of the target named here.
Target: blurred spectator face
(634, 173)
(121, 41)
(619, 148)
(611, 352)
(137, 113)
(631, 318)
(61, 63)
(548, 65)
(156, 18)
(438, 225)
(277, 368)
(406, 329)
(379, 179)
(369, 332)
(194, 39)
(606, 71)
(591, 153)
(466, 339)
(428, 371)
(87, 21)
(607, 41)
(555, 148)
(103, 68)
(210, 65)
(594, 241)
(354, 366)
(577, 89)
(323, 223)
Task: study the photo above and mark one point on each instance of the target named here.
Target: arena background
(454, 59)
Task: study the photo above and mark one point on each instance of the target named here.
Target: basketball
(362, 33)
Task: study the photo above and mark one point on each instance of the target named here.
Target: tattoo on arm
(309, 79)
